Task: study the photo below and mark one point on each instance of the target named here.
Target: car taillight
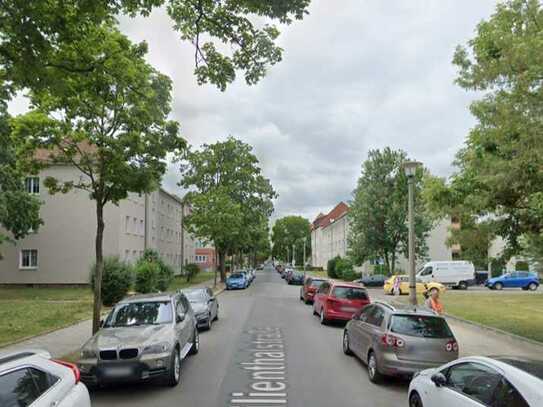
(74, 368)
(452, 346)
(392, 341)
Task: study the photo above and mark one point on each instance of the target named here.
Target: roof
(531, 366)
(339, 211)
(336, 283)
(48, 154)
(148, 297)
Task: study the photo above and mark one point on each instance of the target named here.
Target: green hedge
(117, 279)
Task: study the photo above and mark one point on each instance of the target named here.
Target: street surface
(310, 368)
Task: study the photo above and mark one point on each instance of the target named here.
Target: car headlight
(156, 348)
(88, 353)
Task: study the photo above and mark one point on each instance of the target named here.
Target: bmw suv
(144, 337)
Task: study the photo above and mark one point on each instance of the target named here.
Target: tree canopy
(229, 197)
(499, 174)
(291, 231)
(378, 215)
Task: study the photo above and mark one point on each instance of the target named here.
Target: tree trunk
(222, 265)
(393, 262)
(99, 266)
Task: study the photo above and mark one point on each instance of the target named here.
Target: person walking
(396, 286)
(433, 302)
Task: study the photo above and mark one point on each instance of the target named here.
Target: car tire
(307, 302)
(415, 400)
(373, 369)
(532, 286)
(498, 286)
(195, 348)
(323, 320)
(174, 374)
(209, 322)
(463, 285)
(346, 348)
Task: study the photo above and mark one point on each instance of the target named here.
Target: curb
(496, 331)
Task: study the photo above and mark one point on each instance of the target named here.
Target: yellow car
(404, 285)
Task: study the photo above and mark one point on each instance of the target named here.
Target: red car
(336, 300)
(310, 287)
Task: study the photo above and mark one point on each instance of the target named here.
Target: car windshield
(196, 295)
(140, 313)
(237, 275)
(350, 293)
(420, 325)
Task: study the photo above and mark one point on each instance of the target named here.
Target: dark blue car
(517, 279)
(237, 281)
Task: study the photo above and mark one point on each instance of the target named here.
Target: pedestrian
(396, 286)
(433, 301)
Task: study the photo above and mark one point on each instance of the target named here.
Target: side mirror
(180, 318)
(211, 299)
(439, 379)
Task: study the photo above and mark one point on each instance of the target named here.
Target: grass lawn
(520, 313)
(28, 312)
(320, 274)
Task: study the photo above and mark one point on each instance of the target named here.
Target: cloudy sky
(356, 75)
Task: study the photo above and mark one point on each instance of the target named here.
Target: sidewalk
(69, 340)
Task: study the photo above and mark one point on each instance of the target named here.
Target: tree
(109, 123)
(500, 169)
(289, 232)
(228, 195)
(19, 210)
(379, 209)
(35, 35)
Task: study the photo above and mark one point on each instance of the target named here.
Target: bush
(117, 280)
(345, 269)
(331, 267)
(165, 275)
(147, 276)
(498, 266)
(191, 270)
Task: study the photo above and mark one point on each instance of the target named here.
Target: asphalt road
(310, 368)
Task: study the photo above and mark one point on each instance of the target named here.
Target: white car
(31, 378)
(480, 381)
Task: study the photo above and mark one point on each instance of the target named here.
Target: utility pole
(305, 243)
(288, 255)
(293, 255)
(410, 168)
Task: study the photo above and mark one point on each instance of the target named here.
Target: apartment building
(206, 257)
(62, 251)
(330, 237)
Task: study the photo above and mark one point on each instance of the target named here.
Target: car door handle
(54, 403)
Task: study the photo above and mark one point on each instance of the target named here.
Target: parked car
(32, 378)
(144, 337)
(517, 279)
(404, 285)
(236, 281)
(204, 304)
(336, 300)
(399, 341)
(480, 381)
(296, 278)
(310, 287)
(373, 280)
(457, 274)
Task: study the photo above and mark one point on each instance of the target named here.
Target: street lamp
(410, 168)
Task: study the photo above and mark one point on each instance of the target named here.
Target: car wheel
(414, 400)
(324, 321)
(532, 286)
(498, 286)
(174, 375)
(346, 348)
(195, 348)
(307, 302)
(463, 285)
(373, 369)
(209, 322)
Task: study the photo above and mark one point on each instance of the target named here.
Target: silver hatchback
(398, 341)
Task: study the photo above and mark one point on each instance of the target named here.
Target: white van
(458, 274)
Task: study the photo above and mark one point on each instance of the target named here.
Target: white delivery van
(457, 274)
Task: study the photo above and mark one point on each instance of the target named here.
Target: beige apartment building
(62, 251)
(330, 235)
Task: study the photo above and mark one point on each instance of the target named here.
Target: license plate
(348, 309)
(121, 371)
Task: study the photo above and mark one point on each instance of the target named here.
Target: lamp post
(410, 168)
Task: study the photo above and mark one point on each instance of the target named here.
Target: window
(427, 271)
(127, 255)
(421, 326)
(29, 259)
(142, 227)
(376, 316)
(22, 387)
(32, 185)
(127, 224)
(508, 396)
(474, 380)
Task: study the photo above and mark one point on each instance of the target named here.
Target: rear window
(420, 325)
(237, 275)
(316, 283)
(350, 293)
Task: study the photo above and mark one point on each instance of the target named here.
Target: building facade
(330, 238)
(62, 250)
(205, 256)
